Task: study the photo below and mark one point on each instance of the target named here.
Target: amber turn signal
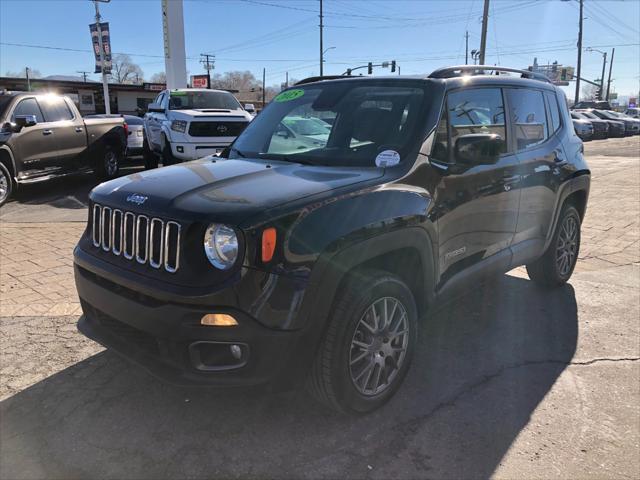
(218, 320)
(268, 244)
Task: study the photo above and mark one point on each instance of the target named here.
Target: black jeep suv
(312, 248)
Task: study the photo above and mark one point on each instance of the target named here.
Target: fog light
(180, 149)
(218, 320)
(236, 351)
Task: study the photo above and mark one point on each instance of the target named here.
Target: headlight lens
(179, 126)
(221, 246)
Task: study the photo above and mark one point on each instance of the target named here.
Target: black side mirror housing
(479, 148)
(23, 121)
(155, 108)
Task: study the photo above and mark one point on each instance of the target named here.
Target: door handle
(47, 132)
(78, 130)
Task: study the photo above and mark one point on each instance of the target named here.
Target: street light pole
(321, 46)
(604, 64)
(577, 95)
(483, 39)
(613, 51)
(105, 84)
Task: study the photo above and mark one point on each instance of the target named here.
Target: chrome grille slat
(150, 240)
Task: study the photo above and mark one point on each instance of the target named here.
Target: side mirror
(155, 108)
(23, 121)
(479, 148)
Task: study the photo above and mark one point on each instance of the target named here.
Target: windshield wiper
(240, 154)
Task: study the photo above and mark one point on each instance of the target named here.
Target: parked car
(600, 127)
(633, 112)
(268, 265)
(629, 125)
(599, 104)
(250, 108)
(616, 127)
(190, 123)
(583, 128)
(634, 127)
(44, 136)
(135, 131)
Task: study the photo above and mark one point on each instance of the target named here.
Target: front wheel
(167, 155)
(368, 345)
(6, 184)
(150, 158)
(556, 265)
(109, 165)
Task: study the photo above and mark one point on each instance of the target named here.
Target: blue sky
(282, 35)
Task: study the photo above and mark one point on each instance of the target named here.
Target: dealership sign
(106, 46)
(199, 81)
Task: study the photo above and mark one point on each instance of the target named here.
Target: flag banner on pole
(106, 45)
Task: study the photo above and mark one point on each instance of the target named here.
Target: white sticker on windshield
(387, 158)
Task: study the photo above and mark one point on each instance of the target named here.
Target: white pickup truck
(190, 123)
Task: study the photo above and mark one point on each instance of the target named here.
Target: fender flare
(14, 170)
(581, 181)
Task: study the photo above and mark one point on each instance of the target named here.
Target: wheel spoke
(360, 344)
(359, 357)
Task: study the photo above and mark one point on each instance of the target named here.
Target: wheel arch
(6, 158)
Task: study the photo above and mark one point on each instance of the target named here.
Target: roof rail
(459, 70)
(318, 79)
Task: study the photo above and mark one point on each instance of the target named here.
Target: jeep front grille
(151, 241)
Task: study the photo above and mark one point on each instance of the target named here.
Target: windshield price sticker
(289, 95)
(387, 158)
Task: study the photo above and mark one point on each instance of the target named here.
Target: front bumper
(164, 336)
(194, 151)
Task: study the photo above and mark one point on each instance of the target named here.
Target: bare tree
(589, 92)
(124, 70)
(22, 74)
(159, 77)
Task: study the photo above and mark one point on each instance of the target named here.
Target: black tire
(6, 184)
(331, 379)
(109, 163)
(150, 158)
(550, 270)
(167, 155)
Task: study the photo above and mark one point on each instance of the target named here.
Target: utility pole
(286, 82)
(264, 71)
(577, 95)
(105, 84)
(321, 46)
(613, 51)
(208, 61)
(483, 39)
(466, 50)
(604, 64)
(84, 75)
(26, 74)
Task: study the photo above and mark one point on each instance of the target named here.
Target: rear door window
(528, 117)
(554, 111)
(55, 109)
(28, 106)
(476, 110)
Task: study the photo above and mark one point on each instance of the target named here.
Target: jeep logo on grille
(137, 198)
(222, 129)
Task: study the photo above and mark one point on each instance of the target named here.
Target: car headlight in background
(179, 126)
(221, 246)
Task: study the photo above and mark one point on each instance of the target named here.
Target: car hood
(213, 113)
(580, 121)
(222, 190)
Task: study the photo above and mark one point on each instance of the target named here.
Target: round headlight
(221, 246)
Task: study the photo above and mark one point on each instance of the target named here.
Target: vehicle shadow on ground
(70, 192)
(484, 364)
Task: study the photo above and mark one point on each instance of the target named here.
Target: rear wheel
(109, 165)
(150, 158)
(6, 184)
(555, 267)
(368, 346)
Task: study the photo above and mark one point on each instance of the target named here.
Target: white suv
(190, 123)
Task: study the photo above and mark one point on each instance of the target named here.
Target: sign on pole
(199, 81)
(106, 45)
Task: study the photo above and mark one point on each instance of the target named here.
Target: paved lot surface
(510, 382)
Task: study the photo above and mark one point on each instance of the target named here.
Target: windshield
(340, 123)
(202, 100)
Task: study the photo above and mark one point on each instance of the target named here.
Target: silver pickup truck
(44, 136)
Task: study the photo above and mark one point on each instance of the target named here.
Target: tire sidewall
(345, 392)
(150, 159)
(167, 154)
(569, 210)
(108, 151)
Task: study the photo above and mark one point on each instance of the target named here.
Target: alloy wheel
(379, 346)
(4, 186)
(567, 247)
(110, 163)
